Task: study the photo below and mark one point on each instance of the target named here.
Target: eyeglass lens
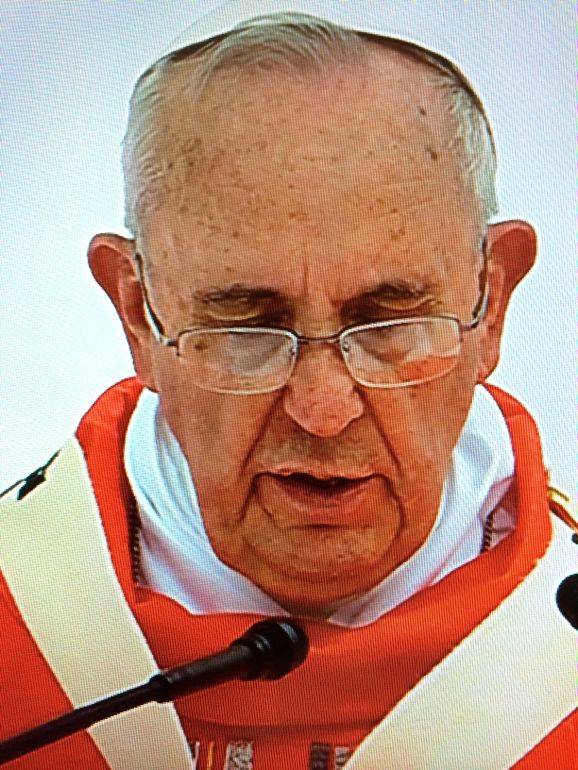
(403, 353)
(256, 361)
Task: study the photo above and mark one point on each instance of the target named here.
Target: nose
(321, 395)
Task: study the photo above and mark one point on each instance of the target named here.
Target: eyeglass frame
(478, 315)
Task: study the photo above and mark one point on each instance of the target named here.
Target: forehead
(349, 171)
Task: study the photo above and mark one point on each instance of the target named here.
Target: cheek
(217, 432)
(445, 404)
(421, 424)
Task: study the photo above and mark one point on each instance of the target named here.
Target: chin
(316, 601)
(317, 588)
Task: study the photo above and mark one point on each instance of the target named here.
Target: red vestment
(352, 677)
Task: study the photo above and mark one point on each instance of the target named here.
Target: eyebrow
(237, 292)
(241, 296)
(390, 291)
(250, 296)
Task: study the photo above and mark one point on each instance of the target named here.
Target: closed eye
(383, 314)
(389, 301)
(248, 321)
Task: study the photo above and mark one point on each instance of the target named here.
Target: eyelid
(393, 304)
(261, 321)
(382, 312)
(236, 312)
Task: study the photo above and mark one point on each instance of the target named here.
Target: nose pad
(321, 395)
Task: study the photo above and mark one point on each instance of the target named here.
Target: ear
(510, 251)
(112, 264)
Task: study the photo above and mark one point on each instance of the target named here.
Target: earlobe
(111, 263)
(511, 252)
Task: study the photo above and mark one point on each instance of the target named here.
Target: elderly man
(313, 298)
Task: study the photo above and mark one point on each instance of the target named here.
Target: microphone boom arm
(268, 650)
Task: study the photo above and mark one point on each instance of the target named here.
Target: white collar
(177, 558)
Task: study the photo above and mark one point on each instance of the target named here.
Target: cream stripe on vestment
(55, 559)
(502, 690)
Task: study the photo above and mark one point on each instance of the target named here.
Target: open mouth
(302, 497)
(330, 485)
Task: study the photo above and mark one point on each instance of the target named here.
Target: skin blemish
(298, 216)
(395, 235)
(431, 152)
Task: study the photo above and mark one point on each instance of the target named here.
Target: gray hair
(284, 41)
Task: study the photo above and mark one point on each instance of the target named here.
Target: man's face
(295, 200)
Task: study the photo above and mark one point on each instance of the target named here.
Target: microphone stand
(567, 599)
(268, 650)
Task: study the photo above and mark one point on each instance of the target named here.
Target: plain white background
(66, 74)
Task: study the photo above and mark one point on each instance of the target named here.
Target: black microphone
(267, 650)
(567, 599)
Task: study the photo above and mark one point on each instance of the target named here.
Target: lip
(322, 473)
(291, 502)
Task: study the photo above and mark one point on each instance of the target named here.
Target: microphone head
(567, 599)
(277, 646)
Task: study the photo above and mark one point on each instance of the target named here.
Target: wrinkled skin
(318, 188)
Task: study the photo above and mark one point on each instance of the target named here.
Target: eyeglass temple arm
(481, 307)
(153, 320)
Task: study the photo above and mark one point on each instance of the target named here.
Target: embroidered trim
(134, 529)
(31, 481)
(488, 533)
(560, 505)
